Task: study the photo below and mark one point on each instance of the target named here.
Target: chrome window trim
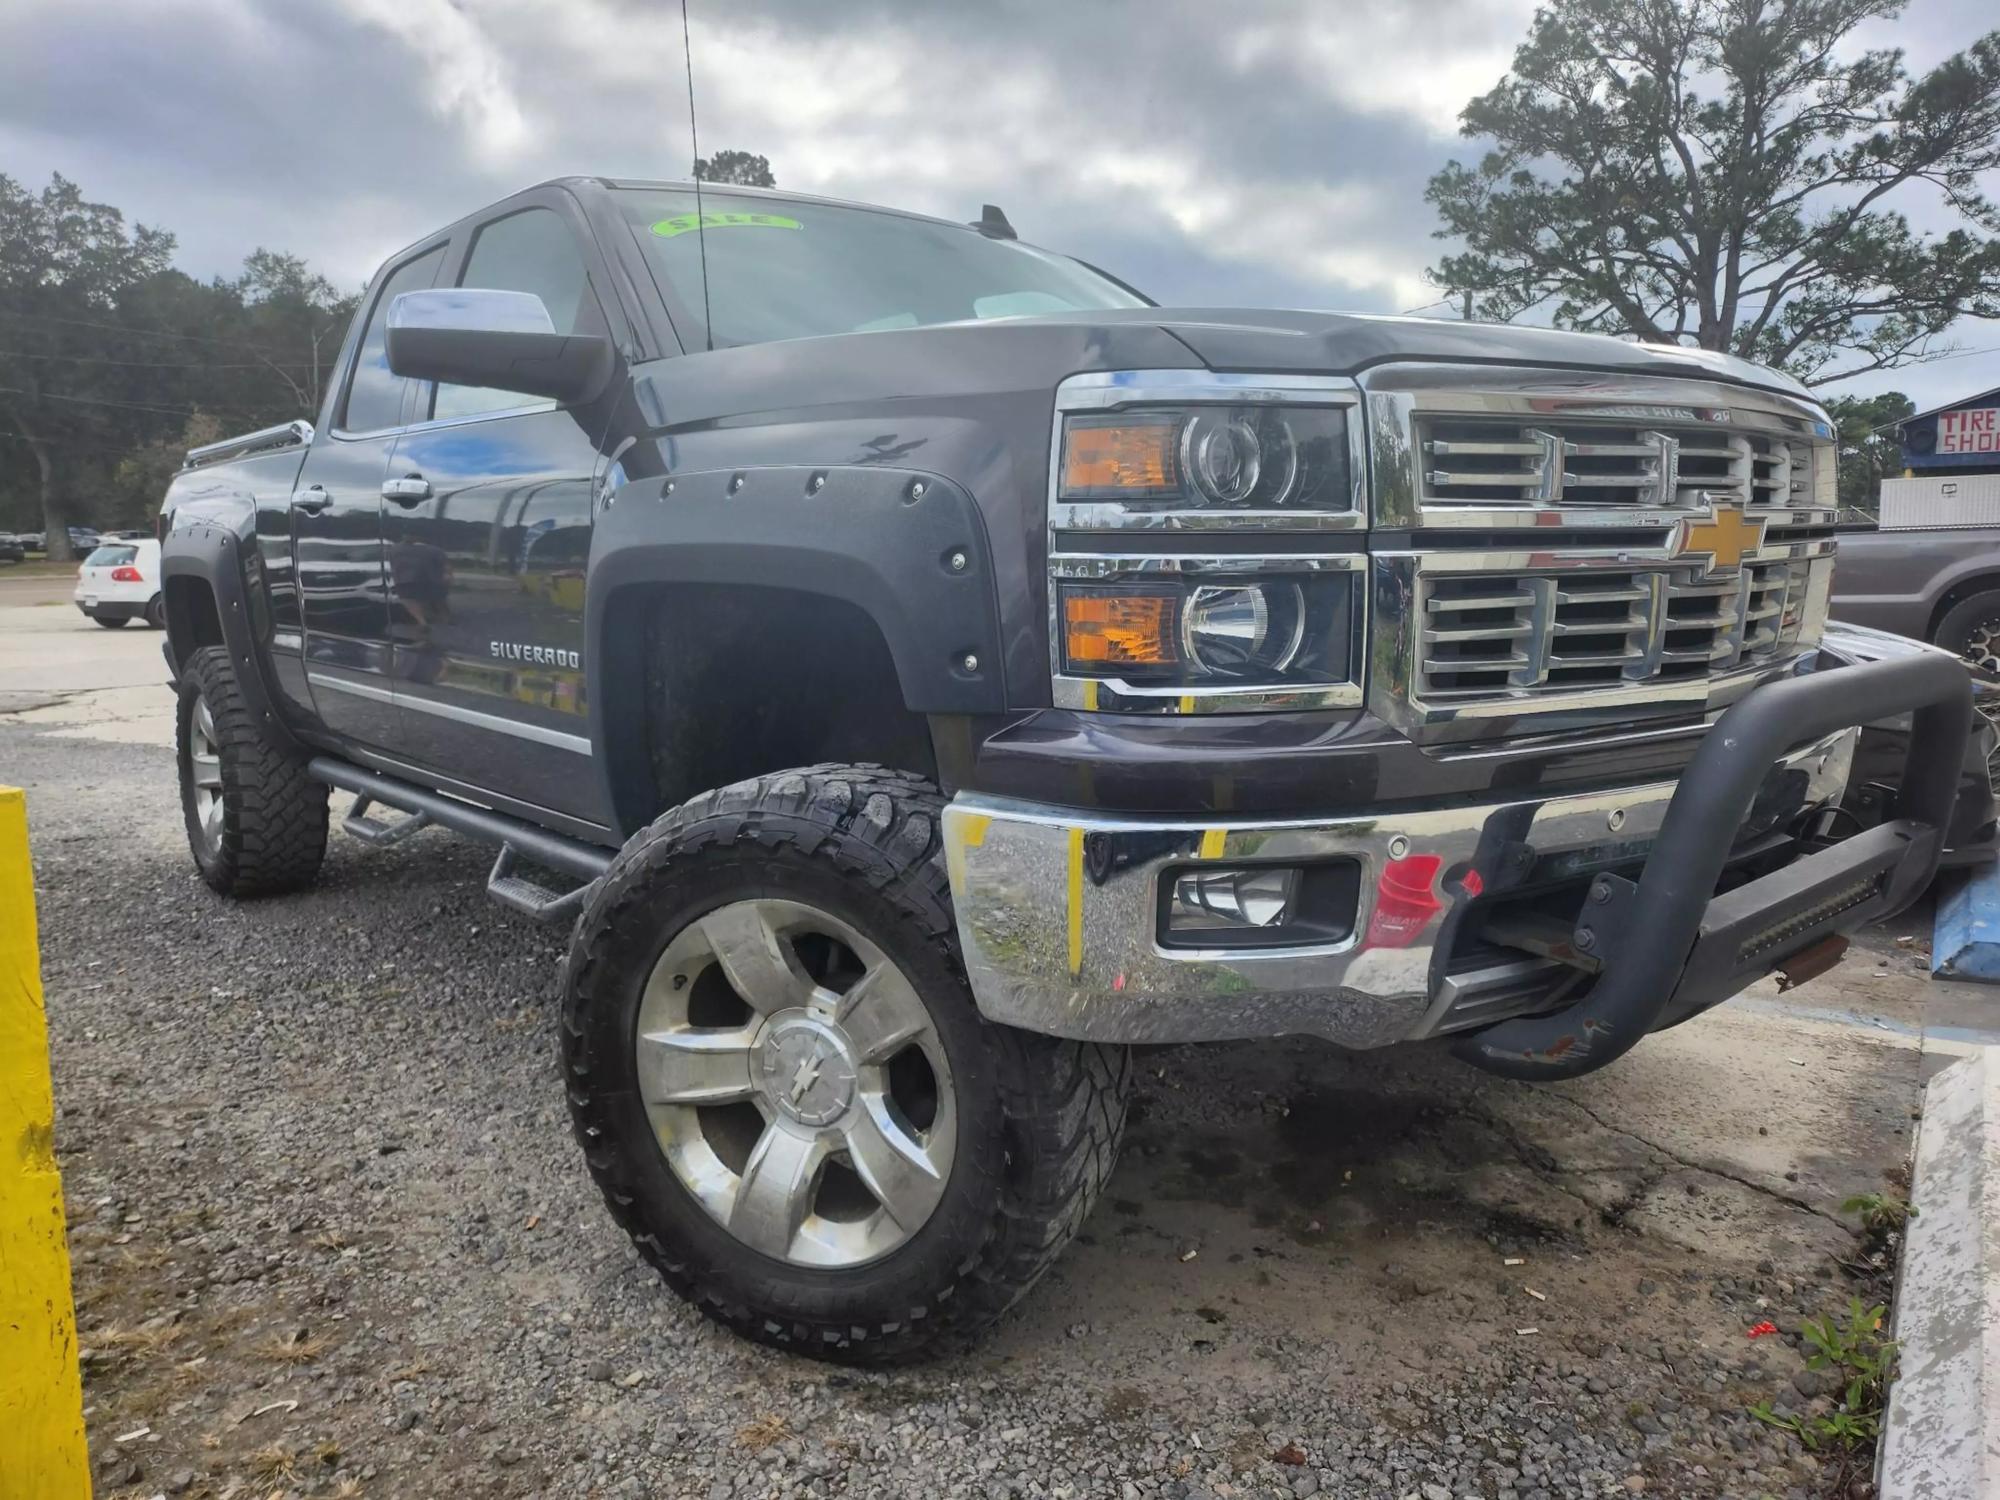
(1396, 394)
(1108, 390)
(1103, 694)
(433, 423)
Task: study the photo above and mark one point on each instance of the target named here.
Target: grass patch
(1880, 1213)
(762, 1433)
(1851, 1347)
(295, 1348)
(275, 1464)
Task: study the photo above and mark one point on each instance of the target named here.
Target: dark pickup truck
(919, 668)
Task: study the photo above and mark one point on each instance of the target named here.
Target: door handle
(313, 500)
(411, 489)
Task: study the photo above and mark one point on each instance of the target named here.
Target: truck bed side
(1905, 580)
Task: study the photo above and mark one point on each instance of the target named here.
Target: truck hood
(1276, 341)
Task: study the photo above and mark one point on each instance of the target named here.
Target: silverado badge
(1723, 536)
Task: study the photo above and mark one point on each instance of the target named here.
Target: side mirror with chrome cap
(502, 340)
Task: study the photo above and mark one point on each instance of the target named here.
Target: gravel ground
(331, 1236)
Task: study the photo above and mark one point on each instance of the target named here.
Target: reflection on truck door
(337, 532)
(485, 556)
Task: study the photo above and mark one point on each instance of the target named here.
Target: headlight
(1209, 456)
(1188, 634)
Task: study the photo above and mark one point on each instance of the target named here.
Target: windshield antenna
(700, 224)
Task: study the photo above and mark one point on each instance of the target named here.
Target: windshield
(110, 557)
(785, 269)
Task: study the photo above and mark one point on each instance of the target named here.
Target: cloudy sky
(1262, 152)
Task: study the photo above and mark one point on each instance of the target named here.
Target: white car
(120, 582)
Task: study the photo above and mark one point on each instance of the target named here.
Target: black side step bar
(517, 839)
(359, 825)
(530, 898)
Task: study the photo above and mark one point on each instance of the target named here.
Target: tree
(739, 167)
(64, 263)
(1719, 173)
(112, 364)
(1869, 450)
(143, 474)
(296, 311)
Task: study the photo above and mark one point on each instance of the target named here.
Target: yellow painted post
(42, 1449)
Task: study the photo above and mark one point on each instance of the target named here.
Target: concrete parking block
(1942, 1436)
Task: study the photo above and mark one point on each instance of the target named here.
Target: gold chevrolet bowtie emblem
(1724, 535)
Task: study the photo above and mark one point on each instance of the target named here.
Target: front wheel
(1970, 630)
(785, 1091)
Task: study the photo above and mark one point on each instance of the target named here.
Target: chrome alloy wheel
(205, 775)
(1982, 645)
(796, 1083)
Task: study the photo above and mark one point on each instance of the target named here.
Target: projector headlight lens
(1230, 631)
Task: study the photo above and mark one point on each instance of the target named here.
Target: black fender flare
(908, 548)
(214, 553)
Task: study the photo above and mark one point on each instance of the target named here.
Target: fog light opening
(1209, 900)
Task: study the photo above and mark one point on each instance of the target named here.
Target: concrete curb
(1941, 1438)
(1965, 938)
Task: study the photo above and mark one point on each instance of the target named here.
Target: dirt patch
(315, 1152)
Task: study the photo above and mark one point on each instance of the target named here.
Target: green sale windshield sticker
(666, 229)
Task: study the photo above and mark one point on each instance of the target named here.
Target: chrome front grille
(1569, 552)
(1504, 635)
(1484, 461)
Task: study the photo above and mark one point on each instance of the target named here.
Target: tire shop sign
(1974, 431)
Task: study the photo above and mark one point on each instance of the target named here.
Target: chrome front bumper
(1059, 909)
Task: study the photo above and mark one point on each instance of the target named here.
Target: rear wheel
(112, 622)
(156, 613)
(256, 822)
(785, 1091)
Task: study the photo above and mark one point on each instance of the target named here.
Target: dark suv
(919, 668)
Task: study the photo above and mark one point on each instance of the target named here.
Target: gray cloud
(1261, 154)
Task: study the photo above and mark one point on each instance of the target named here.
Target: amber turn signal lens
(1110, 457)
(1120, 629)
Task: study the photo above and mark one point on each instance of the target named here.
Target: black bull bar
(1670, 946)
